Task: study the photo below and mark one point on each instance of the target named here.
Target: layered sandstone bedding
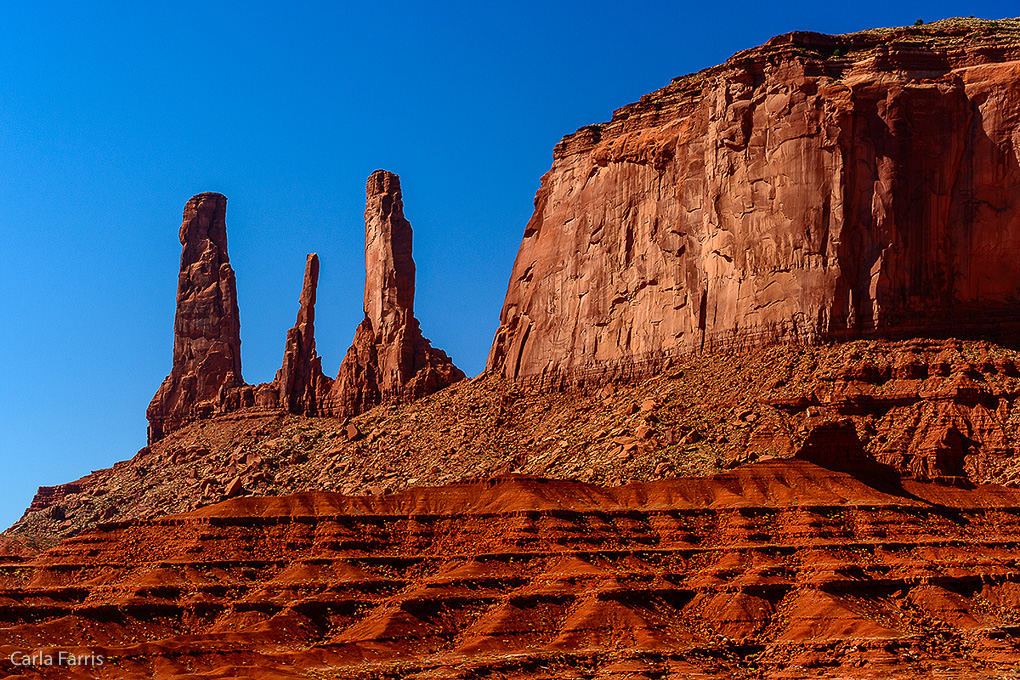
(731, 425)
(779, 569)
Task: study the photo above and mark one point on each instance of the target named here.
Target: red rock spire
(207, 327)
(301, 373)
(389, 359)
(389, 267)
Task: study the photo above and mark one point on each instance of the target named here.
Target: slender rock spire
(389, 359)
(301, 373)
(207, 327)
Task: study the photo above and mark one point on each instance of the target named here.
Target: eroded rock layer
(390, 360)
(207, 327)
(774, 570)
(816, 187)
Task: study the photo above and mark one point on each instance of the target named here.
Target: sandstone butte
(390, 360)
(724, 507)
(815, 188)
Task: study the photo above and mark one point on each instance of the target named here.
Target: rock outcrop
(206, 368)
(390, 360)
(818, 187)
(933, 410)
(299, 384)
(878, 548)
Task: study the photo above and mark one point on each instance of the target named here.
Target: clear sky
(113, 114)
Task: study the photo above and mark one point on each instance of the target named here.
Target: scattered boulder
(233, 488)
(643, 432)
(351, 432)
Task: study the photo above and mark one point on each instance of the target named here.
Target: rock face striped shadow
(776, 569)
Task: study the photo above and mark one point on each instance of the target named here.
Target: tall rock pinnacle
(389, 359)
(301, 373)
(207, 327)
(389, 268)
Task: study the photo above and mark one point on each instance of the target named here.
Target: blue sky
(113, 114)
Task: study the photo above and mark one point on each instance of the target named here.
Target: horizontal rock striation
(769, 569)
(48, 496)
(817, 187)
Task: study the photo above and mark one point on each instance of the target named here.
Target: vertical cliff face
(390, 359)
(300, 383)
(816, 187)
(207, 340)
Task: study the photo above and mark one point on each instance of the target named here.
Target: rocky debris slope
(389, 361)
(773, 570)
(18, 548)
(942, 410)
(817, 187)
(207, 326)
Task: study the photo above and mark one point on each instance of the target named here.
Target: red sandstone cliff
(390, 359)
(816, 187)
(768, 570)
(207, 327)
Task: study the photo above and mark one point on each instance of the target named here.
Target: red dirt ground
(778, 569)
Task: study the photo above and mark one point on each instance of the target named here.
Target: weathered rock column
(207, 327)
(389, 359)
(300, 378)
